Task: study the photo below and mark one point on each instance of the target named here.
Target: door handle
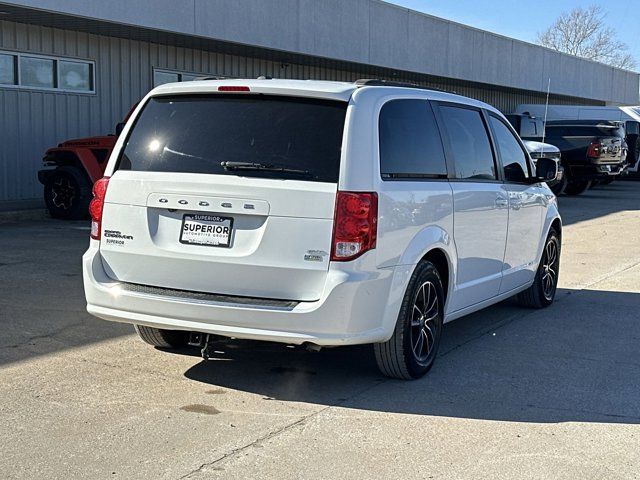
(502, 202)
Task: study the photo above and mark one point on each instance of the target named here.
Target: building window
(44, 72)
(36, 72)
(7, 69)
(74, 75)
(160, 76)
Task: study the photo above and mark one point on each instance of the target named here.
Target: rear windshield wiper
(262, 167)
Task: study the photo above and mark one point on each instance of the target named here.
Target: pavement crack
(151, 372)
(263, 438)
(608, 276)
(43, 336)
(279, 431)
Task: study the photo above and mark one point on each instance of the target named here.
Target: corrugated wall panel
(32, 121)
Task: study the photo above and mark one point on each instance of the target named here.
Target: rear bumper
(611, 170)
(596, 170)
(356, 307)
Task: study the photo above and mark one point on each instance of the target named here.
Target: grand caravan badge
(116, 237)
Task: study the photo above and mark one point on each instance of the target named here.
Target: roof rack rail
(376, 82)
(210, 77)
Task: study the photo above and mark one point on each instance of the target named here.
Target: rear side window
(410, 144)
(531, 128)
(469, 142)
(265, 136)
(514, 160)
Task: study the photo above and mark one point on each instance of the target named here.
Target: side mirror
(119, 128)
(546, 170)
(632, 128)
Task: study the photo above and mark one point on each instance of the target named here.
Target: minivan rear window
(249, 135)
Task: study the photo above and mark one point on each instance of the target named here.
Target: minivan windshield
(247, 135)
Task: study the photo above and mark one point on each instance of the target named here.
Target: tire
(558, 187)
(67, 193)
(634, 154)
(162, 338)
(412, 349)
(576, 187)
(542, 293)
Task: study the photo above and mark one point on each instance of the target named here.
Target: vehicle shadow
(575, 361)
(600, 201)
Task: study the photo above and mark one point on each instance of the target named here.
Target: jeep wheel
(576, 187)
(162, 338)
(543, 290)
(67, 193)
(412, 349)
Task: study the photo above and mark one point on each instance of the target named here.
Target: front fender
(83, 158)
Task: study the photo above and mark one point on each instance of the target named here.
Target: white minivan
(318, 214)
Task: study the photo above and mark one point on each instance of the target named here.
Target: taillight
(233, 88)
(355, 225)
(594, 150)
(97, 205)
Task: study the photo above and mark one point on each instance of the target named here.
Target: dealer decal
(116, 237)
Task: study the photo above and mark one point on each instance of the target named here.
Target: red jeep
(78, 164)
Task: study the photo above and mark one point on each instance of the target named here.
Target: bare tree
(582, 32)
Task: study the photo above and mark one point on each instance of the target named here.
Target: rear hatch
(231, 194)
(609, 146)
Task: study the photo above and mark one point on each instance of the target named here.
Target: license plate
(208, 230)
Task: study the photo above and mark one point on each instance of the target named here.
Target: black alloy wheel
(413, 347)
(424, 328)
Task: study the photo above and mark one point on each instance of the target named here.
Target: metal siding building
(305, 39)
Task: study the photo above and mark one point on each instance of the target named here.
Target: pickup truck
(629, 115)
(531, 131)
(592, 150)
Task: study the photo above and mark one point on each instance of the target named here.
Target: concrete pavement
(515, 393)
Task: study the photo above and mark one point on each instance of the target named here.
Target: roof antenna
(544, 122)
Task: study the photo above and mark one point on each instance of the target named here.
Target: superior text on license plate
(209, 230)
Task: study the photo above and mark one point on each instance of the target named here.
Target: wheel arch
(436, 245)
(441, 261)
(82, 159)
(554, 221)
(433, 244)
(556, 224)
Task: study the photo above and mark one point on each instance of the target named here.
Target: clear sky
(523, 19)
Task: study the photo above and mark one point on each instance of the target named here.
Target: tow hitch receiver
(197, 339)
